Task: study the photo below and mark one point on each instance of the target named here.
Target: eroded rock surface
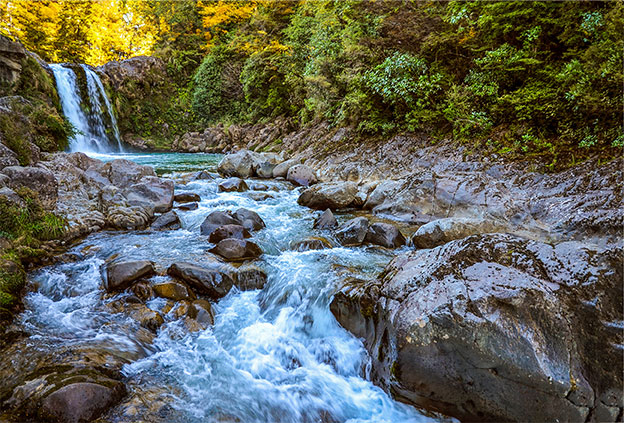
(496, 327)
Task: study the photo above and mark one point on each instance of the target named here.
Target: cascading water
(90, 112)
(273, 355)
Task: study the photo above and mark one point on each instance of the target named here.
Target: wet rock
(281, 170)
(311, 243)
(228, 231)
(301, 175)
(142, 290)
(119, 275)
(188, 206)
(260, 196)
(213, 278)
(352, 232)
(202, 313)
(169, 220)
(172, 290)
(384, 234)
(186, 197)
(250, 277)
(382, 191)
(245, 163)
(37, 179)
(233, 185)
(217, 219)
(326, 221)
(259, 187)
(202, 175)
(233, 249)
(82, 401)
(495, 328)
(153, 192)
(147, 318)
(249, 219)
(441, 231)
(265, 169)
(331, 195)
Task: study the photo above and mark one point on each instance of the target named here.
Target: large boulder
(302, 175)
(169, 220)
(37, 179)
(228, 231)
(233, 185)
(496, 328)
(232, 249)
(81, 401)
(245, 164)
(173, 291)
(249, 219)
(119, 275)
(441, 231)
(331, 195)
(384, 234)
(281, 170)
(215, 220)
(352, 232)
(153, 192)
(212, 278)
(326, 221)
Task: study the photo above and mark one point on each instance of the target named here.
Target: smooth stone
(233, 185)
(188, 206)
(172, 290)
(228, 231)
(120, 275)
(301, 175)
(186, 197)
(215, 279)
(249, 219)
(384, 234)
(169, 220)
(327, 220)
(233, 249)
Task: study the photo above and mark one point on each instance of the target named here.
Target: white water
(86, 111)
(273, 355)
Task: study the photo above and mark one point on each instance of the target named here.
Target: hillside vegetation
(515, 78)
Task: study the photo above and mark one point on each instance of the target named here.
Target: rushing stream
(273, 355)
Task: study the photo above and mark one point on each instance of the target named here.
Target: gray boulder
(81, 401)
(331, 195)
(119, 275)
(228, 231)
(301, 175)
(169, 220)
(212, 278)
(326, 221)
(496, 328)
(232, 249)
(441, 231)
(233, 185)
(153, 192)
(352, 232)
(249, 219)
(384, 234)
(217, 219)
(37, 179)
(281, 170)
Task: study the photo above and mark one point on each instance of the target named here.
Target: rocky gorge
(472, 287)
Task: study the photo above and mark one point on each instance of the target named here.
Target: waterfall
(90, 112)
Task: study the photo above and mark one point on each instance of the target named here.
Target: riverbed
(273, 355)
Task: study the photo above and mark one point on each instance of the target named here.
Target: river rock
(260, 196)
(281, 170)
(169, 220)
(202, 175)
(188, 206)
(441, 231)
(153, 192)
(202, 313)
(228, 231)
(265, 169)
(186, 197)
(212, 278)
(249, 219)
(301, 175)
(384, 234)
(311, 243)
(173, 291)
(233, 185)
(352, 232)
(233, 249)
(82, 401)
(37, 179)
(331, 195)
(147, 318)
(495, 328)
(326, 221)
(119, 275)
(250, 277)
(245, 163)
(217, 219)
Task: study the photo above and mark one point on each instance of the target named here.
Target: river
(273, 355)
